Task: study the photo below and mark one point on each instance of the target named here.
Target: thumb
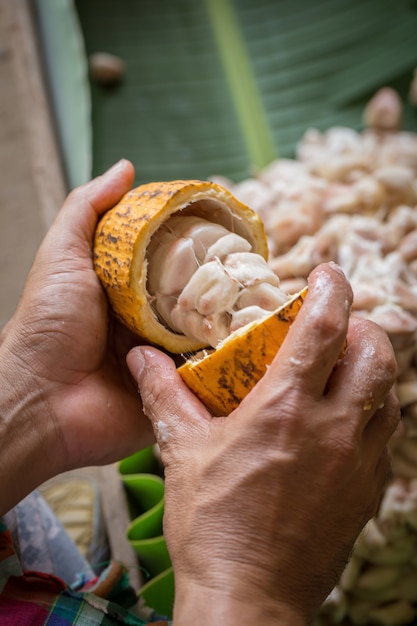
(174, 411)
(72, 232)
(86, 203)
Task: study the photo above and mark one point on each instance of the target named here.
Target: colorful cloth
(38, 598)
(42, 543)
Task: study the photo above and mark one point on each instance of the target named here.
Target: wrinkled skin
(263, 505)
(67, 399)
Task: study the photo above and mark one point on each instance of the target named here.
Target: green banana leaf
(217, 86)
(145, 495)
(225, 86)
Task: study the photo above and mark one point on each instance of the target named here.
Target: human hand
(67, 397)
(262, 507)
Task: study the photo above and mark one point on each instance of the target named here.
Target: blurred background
(200, 87)
(183, 88)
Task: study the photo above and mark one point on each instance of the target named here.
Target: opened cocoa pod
(184, 266)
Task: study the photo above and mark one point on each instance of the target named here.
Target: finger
(176, 414)
(379, 480)
(316, 337)
(74, 226)
(365, 375)
(382, 426)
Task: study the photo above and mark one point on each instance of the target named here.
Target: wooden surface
(32, 182)
(117, 519)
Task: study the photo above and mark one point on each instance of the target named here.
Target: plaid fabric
(37, 598)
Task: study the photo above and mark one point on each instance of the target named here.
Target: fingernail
(136, 362)
(336, 268)
(116, 167)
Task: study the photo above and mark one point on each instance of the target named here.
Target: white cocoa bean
(293, 285)
(254, 193)
(105, 68)
(296, 262)
(204, 234)
(190, 323)
(227, 245)
(245, 316)
(263, 295)
(210, 290)
(171, 263)
(341, 198)
(369, 192)
(177, 267)
(247, 269)
(408, 246)
(395, 177)
(209, 330)
(216, 328)
(384, 110)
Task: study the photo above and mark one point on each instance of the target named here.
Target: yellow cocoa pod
(223, 377)
(124, 233)
(220, 377)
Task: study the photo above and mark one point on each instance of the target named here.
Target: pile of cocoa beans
(351, 197)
